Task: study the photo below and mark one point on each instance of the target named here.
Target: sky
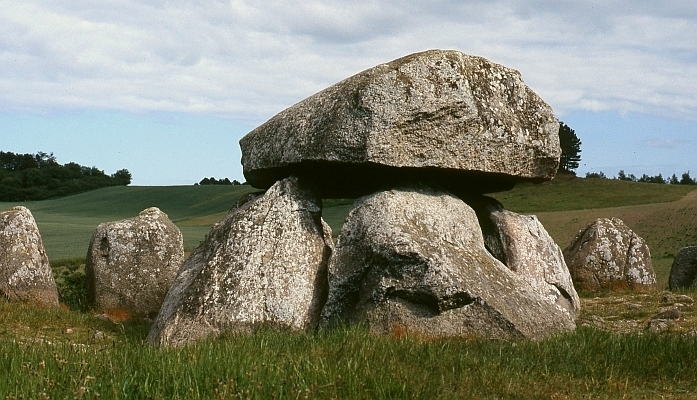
(166, 88)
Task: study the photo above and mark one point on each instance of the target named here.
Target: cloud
(247, 60)
(666, 143)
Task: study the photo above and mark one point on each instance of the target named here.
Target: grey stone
(414, 259)
(265, 264)
(529, 251)
(132, 263)
(25, 273)
(438, 116)
(659, 325)
(683, 273)
(608, 255)
(669, 313)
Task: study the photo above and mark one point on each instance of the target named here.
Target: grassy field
(664, 215)
(71, 353)
(61, 354)
(67, 224)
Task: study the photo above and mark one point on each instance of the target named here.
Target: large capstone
(608, 255)
(25, 273)
(438, 116)
(132, 263)
(264, 264)
(414, 259)
(683, 273)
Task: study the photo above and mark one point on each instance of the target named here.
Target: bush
(71, 283)
(596, 175)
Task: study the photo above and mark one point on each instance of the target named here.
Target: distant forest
(686, 179)
(26, 177)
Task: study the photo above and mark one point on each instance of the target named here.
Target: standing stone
(608, 255)
(683, 273)
(132, 263)
(263, 264)
(414, 259)
(529, 251)
(25, 273)
(440, 116)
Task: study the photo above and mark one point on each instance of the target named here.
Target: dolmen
(25, 273)
(419, 141)
(132, 263)
(608, 255)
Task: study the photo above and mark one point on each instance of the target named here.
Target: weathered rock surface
(527, 249)
(414, 259)
(25, 273)
(607, 254)
(438, 116)
(683, 273)
(263, 264)
(132, 263)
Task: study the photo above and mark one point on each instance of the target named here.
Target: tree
(123, 176)
(674, 180)
(570, 148)
(39, 176)
(652, 179)
(596, 175)
(686, 179)
(623, 177)
(213, 181)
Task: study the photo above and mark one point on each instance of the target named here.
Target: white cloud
(666, 143)
(248, 60)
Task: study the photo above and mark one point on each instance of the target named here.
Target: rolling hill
(66, 224)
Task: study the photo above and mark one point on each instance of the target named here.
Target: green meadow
(71, 353)
(66, 224)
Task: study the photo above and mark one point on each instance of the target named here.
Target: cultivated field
(71, 353)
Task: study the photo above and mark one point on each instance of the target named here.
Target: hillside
(67, 224)
(667, 227)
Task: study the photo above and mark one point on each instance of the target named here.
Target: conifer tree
(570, 148)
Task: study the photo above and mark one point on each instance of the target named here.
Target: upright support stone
(414, 259)
(264, 264)
(532, 254)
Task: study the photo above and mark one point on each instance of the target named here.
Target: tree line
(213, 181)
(571, 156)
(685, 179)
(27, 177)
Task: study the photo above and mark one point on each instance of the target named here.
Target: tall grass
(69, 353)
(351, 363)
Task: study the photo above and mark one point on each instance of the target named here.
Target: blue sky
(166, 89)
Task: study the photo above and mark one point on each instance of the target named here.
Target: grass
(67, 224)
(564, 194)
(666, 227)
(58, 354)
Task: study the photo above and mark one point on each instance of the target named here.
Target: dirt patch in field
(666, 227)
(656, 312)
